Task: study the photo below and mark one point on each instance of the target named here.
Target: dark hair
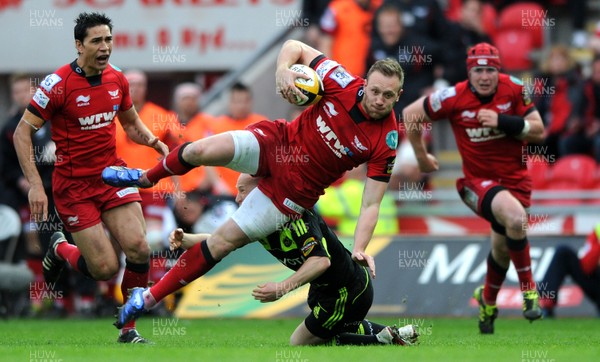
(388, 67)
(89, 20)
(238, 86)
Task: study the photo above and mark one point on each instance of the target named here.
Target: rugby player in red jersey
(340, 295)
(352, 124)
(492, 119)
(81, 100)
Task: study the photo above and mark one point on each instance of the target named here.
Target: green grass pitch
(574, 340)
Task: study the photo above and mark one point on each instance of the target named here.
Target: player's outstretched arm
(38, 201)
(137, 131)
(179, 239)
(367, 220)
(414, 115)
(312, 268)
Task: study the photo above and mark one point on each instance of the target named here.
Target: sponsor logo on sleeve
(390, 165)
(526, 97)
(341, 77)
(391, 139)
(447, 93)
(325, 67)
(50, 81)
(436, 99)
(308, 246)
(41, 99)
(434, 102)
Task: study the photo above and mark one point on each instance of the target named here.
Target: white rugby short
(258, 217)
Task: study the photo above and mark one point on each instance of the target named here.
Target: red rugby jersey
(335, 135)
(82, 111)
(486, 152)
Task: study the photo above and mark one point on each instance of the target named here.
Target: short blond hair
(388, 67)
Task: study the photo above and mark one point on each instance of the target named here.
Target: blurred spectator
(35, 237)
(594, 40)
(417, 55)
(239, 116)
(463, 34)
(193, 188)
(423, 17)
(341, 203)
(313, 10)
(14, 182)
(21, 241)
(15, 277)
(558, 95)
(347, 32)
(160, 122)
(158, 216)
(584, 270)
(584, 134)
(578, 12)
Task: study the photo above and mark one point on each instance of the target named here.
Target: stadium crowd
(428, 40)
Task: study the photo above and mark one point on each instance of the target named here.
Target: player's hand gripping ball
(312, 88)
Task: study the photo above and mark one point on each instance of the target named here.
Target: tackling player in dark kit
(81, 99)
(493, 119)
(340, 295)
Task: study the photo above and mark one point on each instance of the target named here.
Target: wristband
(525, 130)
(31, 125)
(511, 125)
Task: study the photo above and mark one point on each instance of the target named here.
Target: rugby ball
(312, 88)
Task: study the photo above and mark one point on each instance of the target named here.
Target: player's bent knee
(104, 271)
(137, 250)
(516, 222)
(296, 340)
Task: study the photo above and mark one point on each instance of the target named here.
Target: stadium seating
(564, 182)
(520, 31)
(489, 16)
(577, 170)
(539, 172)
